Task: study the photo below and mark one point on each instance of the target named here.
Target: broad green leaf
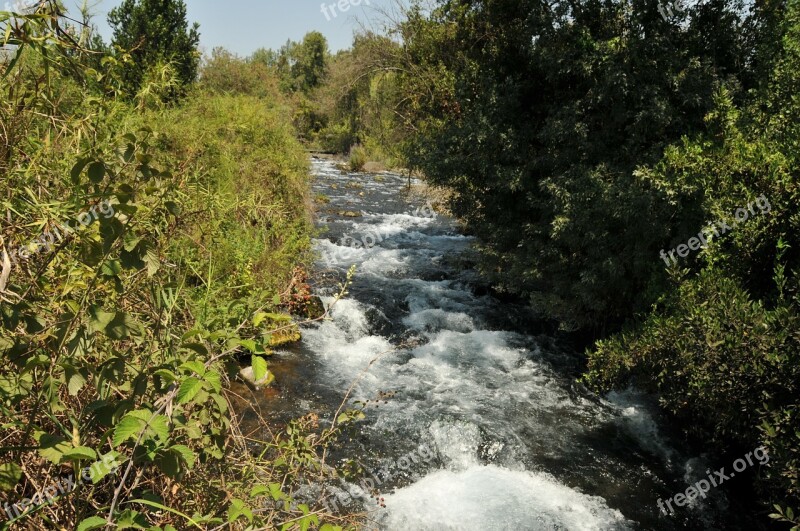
(185, 453)
(215, 380)
(75, 174)
(197, 347)
(93, 522)
(99, 319)
(52, 447)
(189, 389)
(173, 208)
(79, 453)
(129, 427)
(238, 509)
(111, 268)
(259, 368)
(97, 170)
(122, 326)
(249, 344)
(194, 366)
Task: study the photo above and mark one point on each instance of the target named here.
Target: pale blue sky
(243, 26)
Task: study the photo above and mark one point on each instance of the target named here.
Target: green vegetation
(156, 36)
(146, 252)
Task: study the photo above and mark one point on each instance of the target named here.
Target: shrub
(358, 158)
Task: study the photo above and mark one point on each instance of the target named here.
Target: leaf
(75, 174)
(97, 170)
(93, 522)
(164, 508)
(111, 268)
(173, 208)
(52, 447)
(99, 319)
(79, 453)
(249, 344)
(259, 368)
(76, 379)
(259, 318)
(194, 366)
(122, 326)
(10, 474)
(166, 375)
(186, 454)
(152, 261)
(197, 347)
(141, 421)
(189, 389)
(259, 490)
(215, 380)
(238, 509)
(128, 427)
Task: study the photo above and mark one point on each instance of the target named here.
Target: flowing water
(481, 423)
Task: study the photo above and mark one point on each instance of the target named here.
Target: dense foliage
(145, 253)
(157, 36)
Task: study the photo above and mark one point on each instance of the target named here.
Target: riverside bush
(120, 343)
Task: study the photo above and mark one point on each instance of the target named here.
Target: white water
(518, 444)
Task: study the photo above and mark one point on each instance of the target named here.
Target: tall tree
(310, 61)
(155, 32)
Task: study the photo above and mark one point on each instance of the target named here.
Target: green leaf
(93, 522)
(259, 368)
(215, 380)
(127, 428)
(111, 268)
(194, 366)
(97, 170)
(99, 319)
(152, 261)
(173, 208)
(75, 174)
(122, 326)
(249, 344)
(259, 490)
(10, 474)
(189, 389)
(166, 375)
(76, 379)
(197, 347)
(52, 447)
(186, 454)
(238, 509)
(79, 453)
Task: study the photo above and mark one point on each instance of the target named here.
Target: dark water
(485, 428)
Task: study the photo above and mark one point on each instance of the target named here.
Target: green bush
(120, 336)
(358, 158)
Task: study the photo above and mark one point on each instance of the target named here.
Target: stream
(480, 421)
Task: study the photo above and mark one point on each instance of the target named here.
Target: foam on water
(518, 444)
(488, 498)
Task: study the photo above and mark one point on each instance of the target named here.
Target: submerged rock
(247, 375)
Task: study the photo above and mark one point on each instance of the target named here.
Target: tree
(310, 61)
(155, 32)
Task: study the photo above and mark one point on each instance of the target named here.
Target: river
(484, 425)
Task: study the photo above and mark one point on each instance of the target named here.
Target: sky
(243, 26)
